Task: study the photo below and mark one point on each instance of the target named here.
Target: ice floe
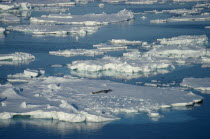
(76, 52)
(70, 99)
(120, 64)
(2, 30)
(125, 42)
(87, 19)
(8, 18)
(141, 1)
(15, 6)
(202, 84)
(110, 47)
(185, 18)
(16, 58)
(74, 30)
(26, 76)
(36, 3)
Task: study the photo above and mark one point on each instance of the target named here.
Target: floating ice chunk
(32, 73)
(26, 76)
(77, 104)
(113, 1)
(110, 47)
(125, 42)
(182, 11)
(88, 19)
(9, 19)
(185, 39)
(141, 1)
(197, 83)
(17, 56)
(62, 3)
(2, 30)
(15, 6)
(50, 9)
(6, 7)
(120, 65)
(75, 52)
(74, 30)
(184, 18)
(101, 5)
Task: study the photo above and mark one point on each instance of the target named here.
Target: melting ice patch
(185, 18)
(70, 99)
(75, 52)
(75, 30)
(16, 58)
(88, 19)
(120, 64)
(202, 84)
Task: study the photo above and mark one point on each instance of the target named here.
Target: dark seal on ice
(102, 91)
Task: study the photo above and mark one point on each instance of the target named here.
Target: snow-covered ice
(26, 76)
(110, 47)
(76, 52)
(184, 18)
(197, 83)
(70, 99)
(37, 3)
(75, 30)
(125, 42)
(87, 19)
(120, 64)
(17, 56)
(185, 39)
(2, 30)
(9, 18)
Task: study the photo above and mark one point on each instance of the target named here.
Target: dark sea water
(190, 122)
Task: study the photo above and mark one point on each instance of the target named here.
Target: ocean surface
(188, 122)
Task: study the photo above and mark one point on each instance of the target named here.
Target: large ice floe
(110, 47)
(184, 18)
(78, 100)
(162, 57)
(37, 3)
(121, 64)
(76, 52)
(26, 76)
(74, 30)
(15, 6)
(16, 58)
(202, 84)
(87, 19)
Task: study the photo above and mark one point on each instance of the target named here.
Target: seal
(102, 91)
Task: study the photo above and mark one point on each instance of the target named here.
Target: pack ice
(87, 19)
(17, 58)
(75, 52)
(163, 55)
(38, 3)
(71, 99)
(184, 18)
(74, 30)
(202, 84)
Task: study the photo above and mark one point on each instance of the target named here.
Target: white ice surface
(110, 47)
(125, 42)
(2, 30)
(197, 83)
(26, 76)
(76, 52)
(17, 56)
(7, 18)
(34, 3)
(70, 99)
(75, 30)
(120, 64)
(87, 19)
(184, 18)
